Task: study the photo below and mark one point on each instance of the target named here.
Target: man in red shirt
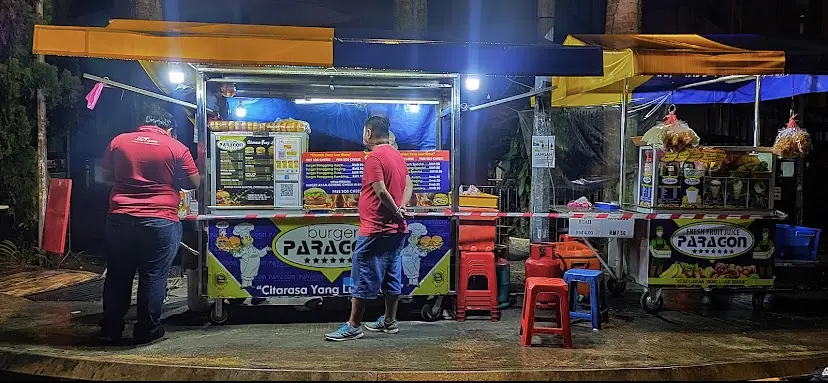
(376, 265)
(143, 232)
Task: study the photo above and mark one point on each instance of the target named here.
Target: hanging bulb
(241, 111)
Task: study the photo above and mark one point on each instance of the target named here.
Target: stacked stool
(558, 288)
(597, 295)
(481, 264)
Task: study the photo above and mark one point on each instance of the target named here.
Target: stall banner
(298, 257)
(333, 180)
(698, 252)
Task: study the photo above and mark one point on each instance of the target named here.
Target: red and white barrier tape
(466, 214)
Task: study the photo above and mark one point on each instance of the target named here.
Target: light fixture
(472, 83)
(412, 108)
(241, 111)
(176, 74)
(306, 101)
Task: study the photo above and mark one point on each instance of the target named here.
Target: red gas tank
(542, 264)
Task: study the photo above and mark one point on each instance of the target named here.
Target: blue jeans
(377, 266)
(145, 245)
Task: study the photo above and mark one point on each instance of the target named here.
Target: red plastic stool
(535, 286)
(477, 264)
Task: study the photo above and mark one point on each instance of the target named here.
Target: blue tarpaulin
(343, 122)
(737, 92)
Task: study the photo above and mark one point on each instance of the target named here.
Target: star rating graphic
(714, 251)
(330, 260)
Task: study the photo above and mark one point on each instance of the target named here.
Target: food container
(694, 173)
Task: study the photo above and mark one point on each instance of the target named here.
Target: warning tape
(467, 214)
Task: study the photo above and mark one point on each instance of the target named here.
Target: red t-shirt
(145, 166)
(384, 164)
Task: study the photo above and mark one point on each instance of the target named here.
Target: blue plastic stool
(597, 297)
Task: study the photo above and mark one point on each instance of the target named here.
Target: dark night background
(513, 21)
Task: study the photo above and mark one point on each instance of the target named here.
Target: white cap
(243, 229)
(417, 229)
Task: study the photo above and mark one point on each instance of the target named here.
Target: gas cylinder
(504, 279)
(542, 264)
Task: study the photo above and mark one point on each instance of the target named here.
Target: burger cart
(276, 214)
(703, 217)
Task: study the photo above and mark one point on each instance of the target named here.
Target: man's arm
(409, 190)
(107, 165)
(387, 200)
(188, 167)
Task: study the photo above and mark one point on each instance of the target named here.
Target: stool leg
(528, 320)
(566, 328)
(604, 305)
(593, 304)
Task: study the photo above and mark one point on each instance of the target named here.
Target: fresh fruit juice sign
(711, 253)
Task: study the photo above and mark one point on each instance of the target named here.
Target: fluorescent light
(413, 108)
(175, 74)
(472, 83)
(241, 111)
(306, 101)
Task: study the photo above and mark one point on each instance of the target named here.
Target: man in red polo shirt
(143, 233)
(376, 264)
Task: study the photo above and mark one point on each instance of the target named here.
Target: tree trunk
(411, 17)
(145, 10)
(623, 16)
(42, 177)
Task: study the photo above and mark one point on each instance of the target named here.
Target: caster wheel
(758, 302)
(428, 313)
(219, 319)
(616, 287)
(650, 304)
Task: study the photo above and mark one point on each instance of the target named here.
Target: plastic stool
(555, 286)
(477, 264)
(597, 295)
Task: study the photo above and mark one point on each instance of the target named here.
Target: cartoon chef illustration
(660, 251)
(762, 254)
(412, 253)
(249, 256)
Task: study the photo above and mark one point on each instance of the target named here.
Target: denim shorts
(376, 266)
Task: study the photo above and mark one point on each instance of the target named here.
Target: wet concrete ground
(694, 338)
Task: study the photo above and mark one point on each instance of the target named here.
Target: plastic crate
(797, 242)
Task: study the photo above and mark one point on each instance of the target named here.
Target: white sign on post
(603, 228)
(543, 151)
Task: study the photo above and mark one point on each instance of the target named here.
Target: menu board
(333, 180)
(244, 170)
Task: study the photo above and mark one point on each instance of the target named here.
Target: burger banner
(262, 258)
(689, 252)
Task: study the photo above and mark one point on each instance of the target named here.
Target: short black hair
(380, 126)
(156, 115)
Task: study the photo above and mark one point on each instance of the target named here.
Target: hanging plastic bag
(672, 134)
(792, 141)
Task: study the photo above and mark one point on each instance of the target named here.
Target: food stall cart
(704, 216)
(282, 158)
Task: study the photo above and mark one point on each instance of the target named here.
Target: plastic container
(477, 233)
(481, 200)
(607, 206)
(575, 254)
(797, 242)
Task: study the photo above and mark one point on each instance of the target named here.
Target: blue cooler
(797, 243)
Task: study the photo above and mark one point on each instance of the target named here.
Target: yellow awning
(190, 42)
(639, 57)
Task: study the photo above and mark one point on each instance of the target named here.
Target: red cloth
(94, 95)
(57, 215)
(384, 164)
(145, 166)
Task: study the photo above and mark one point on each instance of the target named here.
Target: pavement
(696, 338)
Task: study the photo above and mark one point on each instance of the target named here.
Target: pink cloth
(94, 95)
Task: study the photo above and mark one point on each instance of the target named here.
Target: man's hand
(404, 211)
(400, 214)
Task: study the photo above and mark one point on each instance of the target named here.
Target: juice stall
(278, 115)
(687, 215)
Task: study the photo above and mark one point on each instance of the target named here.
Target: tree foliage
(20, 77)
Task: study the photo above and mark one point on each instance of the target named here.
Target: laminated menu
(244, 171)
(333, 180)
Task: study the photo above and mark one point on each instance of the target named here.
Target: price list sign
(244, 171)
(332, 179)
(429, 170)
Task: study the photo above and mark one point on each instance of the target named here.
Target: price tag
(603, 228)
(584, 227)
(618, 228)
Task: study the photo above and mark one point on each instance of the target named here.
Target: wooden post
(42, 178)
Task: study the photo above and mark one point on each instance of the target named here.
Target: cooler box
(796, 242)
(577, 255)
(477, 233)
(481, 200)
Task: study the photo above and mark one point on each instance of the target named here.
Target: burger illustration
(441, 199)
(316, 198)
(223, 198)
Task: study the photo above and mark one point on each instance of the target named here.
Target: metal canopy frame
(281, 75)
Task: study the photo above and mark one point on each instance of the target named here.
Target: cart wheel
(758, 302)
(650, 304)
(219, 320)
(616, 287)
(428, 313)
